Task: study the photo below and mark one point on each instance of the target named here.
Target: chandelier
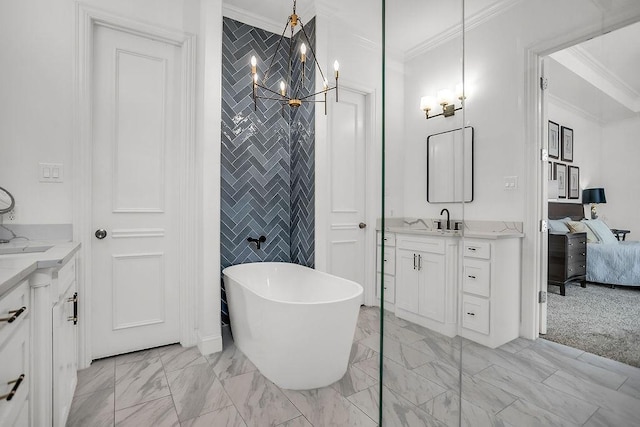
(288, 94)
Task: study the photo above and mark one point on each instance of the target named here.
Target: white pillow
(558, 225)
(581, 227)
(601, 230)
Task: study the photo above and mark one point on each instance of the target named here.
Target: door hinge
(544, 225)
(542, 297)
(544, 155)
(544, 83)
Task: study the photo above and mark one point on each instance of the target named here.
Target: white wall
(621, 176)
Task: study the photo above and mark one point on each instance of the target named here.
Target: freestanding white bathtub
(294, 323)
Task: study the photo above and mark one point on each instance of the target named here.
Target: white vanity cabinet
(490, 294)
(386, 255)
(15, 359)
(426, 282)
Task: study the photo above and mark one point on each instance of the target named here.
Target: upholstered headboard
(575, 211)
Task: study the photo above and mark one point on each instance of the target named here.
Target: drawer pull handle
(14, 315)
(471, 314)
(471, 277)
(73, 319)
(74, 300)
(14, 390)
(472, 249)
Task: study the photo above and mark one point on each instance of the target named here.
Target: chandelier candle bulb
(303, 52)
(283, 88)
(254, 62)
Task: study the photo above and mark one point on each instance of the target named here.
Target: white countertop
(15, 267)
(508, 234)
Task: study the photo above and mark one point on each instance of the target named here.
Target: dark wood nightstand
(567, 259)
(619, 232)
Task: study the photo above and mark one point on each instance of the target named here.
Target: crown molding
(566, 105)
(471, 22)
(596, 73)
(252, 19)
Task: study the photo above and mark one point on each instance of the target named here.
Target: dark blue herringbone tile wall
(255, 169)
(267, 170)
(303, 160)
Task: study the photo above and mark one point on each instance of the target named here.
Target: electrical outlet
(11, 216)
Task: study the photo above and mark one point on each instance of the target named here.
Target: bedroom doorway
(590, 112)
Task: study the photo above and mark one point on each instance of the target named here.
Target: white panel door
(347, 155)
(136, 115)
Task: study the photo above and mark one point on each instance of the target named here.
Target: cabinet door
(407, 290)
(65, 362)
(431, 285)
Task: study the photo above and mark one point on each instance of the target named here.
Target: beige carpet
(597, 319)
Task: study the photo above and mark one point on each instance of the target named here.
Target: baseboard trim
(210, 344)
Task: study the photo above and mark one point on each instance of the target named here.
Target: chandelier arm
(272, 99)
(317, 93)
(313, 52)
(275, 53)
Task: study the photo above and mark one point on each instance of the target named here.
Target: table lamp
(593, 196)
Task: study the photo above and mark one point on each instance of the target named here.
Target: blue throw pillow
(558, 225)
(601, 230)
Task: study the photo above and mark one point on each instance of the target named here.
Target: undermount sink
(9, 249)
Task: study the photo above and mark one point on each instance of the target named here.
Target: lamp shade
(593, 195)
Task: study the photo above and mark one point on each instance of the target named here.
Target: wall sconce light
(445, 99)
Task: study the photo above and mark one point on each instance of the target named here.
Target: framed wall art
(554, 140)
(574, 182)
(567, 144)
(561, 177)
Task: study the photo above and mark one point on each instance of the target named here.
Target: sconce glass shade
(445, 96)
(428, 103)
(593, 195)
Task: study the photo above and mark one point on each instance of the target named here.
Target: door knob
(101, 233)
(362, 225)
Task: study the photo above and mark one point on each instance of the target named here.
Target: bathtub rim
(333, 301)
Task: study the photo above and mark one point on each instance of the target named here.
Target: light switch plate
(50, 172)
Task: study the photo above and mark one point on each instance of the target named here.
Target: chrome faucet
(448, 221)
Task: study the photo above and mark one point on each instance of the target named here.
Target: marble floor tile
(95, 409)
(353, 381)
(140, 382)
(439, 348)
(296, 422)
(156, 413)
(625, 406)
(137, 356)
(531, 369)
(446, 408)
(408, 384)
(524, 414)
(360, 352)
(485, 395)
(396, 412)
(631, 387)
(391, 317)
(441, 373)
(99, 376)
(573, 366)
(370, 366)
(326, 407)
(176, 357)
(407, 356)
(364, 332)
(610, 365)
(606, 418)
(227, 417)
(401, 334)
(196, 390)
(516, 345)
(559, 348)
(230, 362)
(561, 404)
(259, 401)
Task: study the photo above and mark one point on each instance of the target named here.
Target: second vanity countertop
(507, 234)
(16, 267)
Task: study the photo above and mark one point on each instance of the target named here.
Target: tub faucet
(261, 239)
(448, 221)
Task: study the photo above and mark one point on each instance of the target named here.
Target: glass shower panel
(539, 95)
(420, 233)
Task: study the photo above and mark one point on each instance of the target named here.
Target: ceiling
(600, 77)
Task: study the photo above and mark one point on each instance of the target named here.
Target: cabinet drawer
(389, 239)
(578, 268)
(477, 277)
(14, 354)
(11, 308)
(389, 259)
(475, 314)
(389, 288)
(477, 249)
(421, 244)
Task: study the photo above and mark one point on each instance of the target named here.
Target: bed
(616, 263)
